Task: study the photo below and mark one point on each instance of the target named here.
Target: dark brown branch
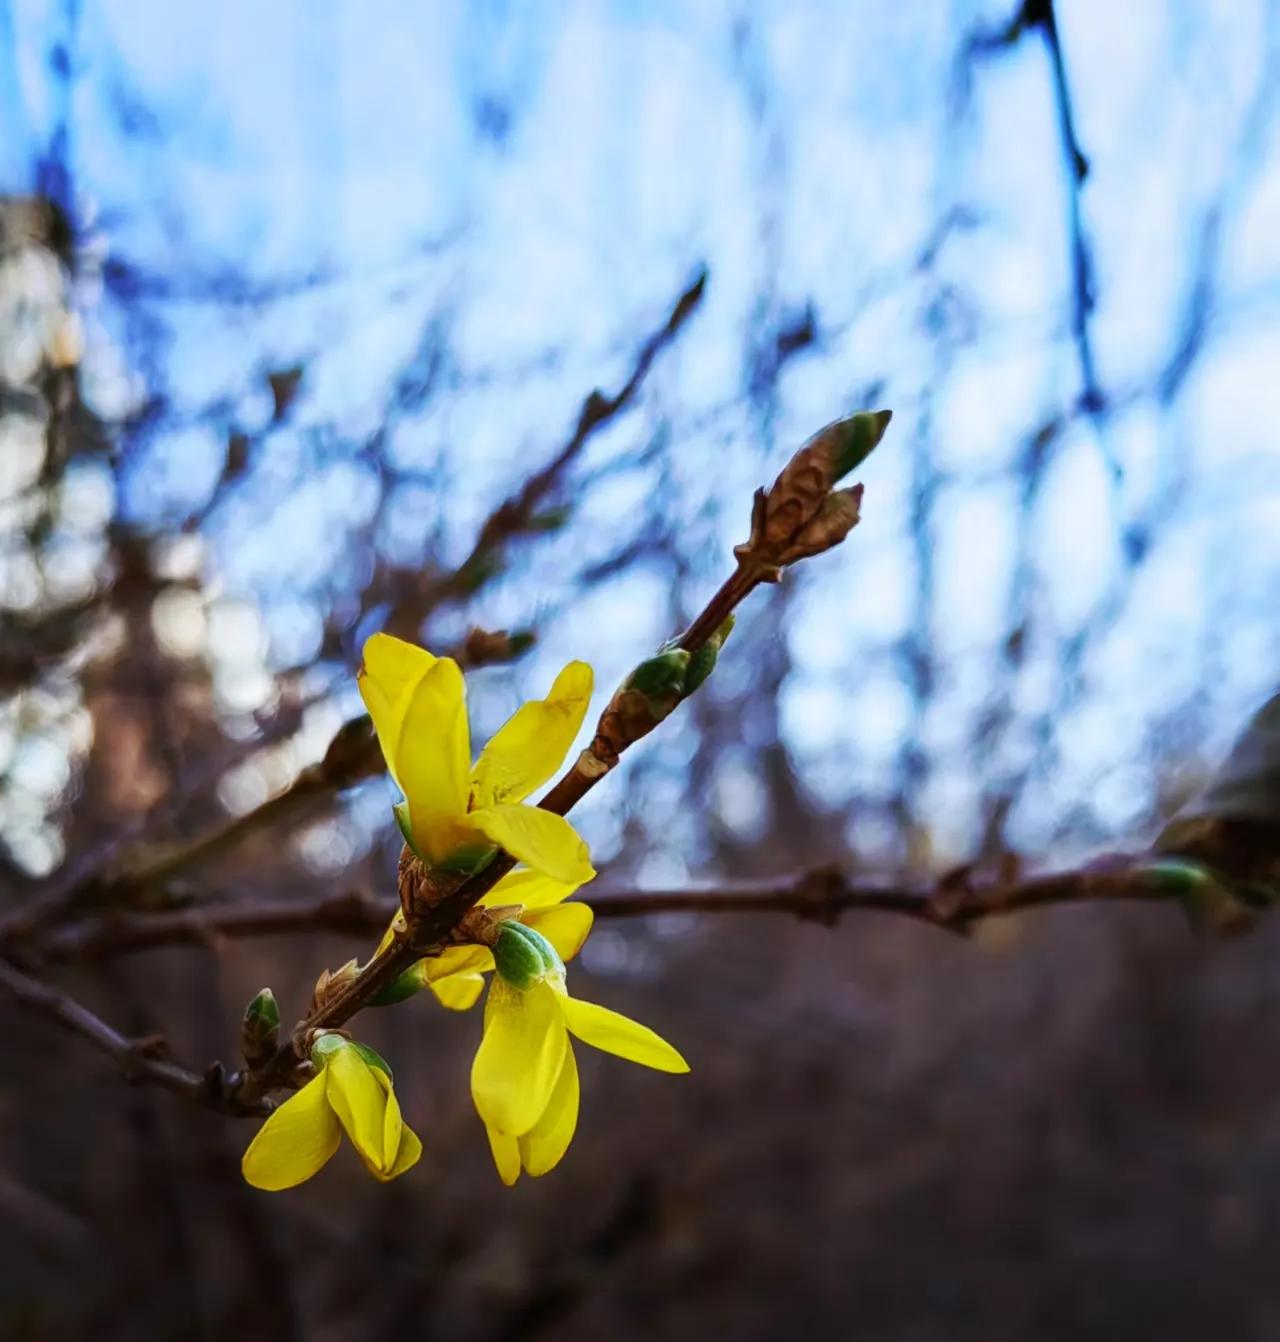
(141, 1060)
(820, 896)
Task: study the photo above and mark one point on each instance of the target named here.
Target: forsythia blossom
(455, 816)
(524, 1080)
(351, 1093)
(456, 975)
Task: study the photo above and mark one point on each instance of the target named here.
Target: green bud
(859, 436)
(411, 982)
(703, 662)
(260, 1028)
(524, 957)
(661, 675)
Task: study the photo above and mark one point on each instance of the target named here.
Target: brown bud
(802, 513)
(331, 982)
(834, 520)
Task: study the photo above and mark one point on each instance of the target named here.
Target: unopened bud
(702, 662)
(834, 520)
(332, 981)
(857, 437)
(260, 1028)
(802, 514)
(660, 675)
(524, 957)
(410, 983)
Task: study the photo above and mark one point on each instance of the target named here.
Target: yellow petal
(506, 1154)
(565, 926)
(542, 1148)
(458, 992)
(459, 960)
(360, 1103)
(401, 1147)
(519, 1058)
(530, 888)
(406, 1158)
(548, 843)
(615, 1033)
(388, 672)
(432, 755)
(396, 924)
(530, 746)
(295, 1141)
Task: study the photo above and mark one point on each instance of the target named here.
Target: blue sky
(538, 182)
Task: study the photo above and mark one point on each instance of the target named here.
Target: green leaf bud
(260, 1028)
(859, 436)
(703, 662)
(661, 675)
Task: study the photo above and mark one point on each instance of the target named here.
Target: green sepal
(522, 956)
(325, 1043)
(401, 812)
(373, 1058)
(859, 437)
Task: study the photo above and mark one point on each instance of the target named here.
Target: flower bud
(260, 1028)
(524, 957)
(802, 514)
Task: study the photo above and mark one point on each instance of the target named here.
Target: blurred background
(302, 310)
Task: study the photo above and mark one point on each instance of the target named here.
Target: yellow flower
(524, 1080)
(352, 1092)
(454, 816)
(456, 975)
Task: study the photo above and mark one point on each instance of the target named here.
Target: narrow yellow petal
(406, 1158)
(388, 672)
(506, 1154)
(544, 1145)
(519, 1057)
(565, 926)
(545, 842)
(530, 746)
(458, 992)
(295, 1141)
(615, 1033)
(360, 1103)
(401, 1147)
(459, 960)
(395, 925)
(530, 888)
(432, 755)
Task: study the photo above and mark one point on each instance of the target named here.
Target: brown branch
(141, 1060)
(819, 896)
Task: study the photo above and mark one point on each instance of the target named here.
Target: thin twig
(141, 1060)
(820, 896)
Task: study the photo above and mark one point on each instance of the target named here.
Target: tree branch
(822, 895)
(141, 1060)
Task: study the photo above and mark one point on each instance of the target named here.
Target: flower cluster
(456, 818)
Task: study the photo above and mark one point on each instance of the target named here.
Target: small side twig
(141, 1060)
